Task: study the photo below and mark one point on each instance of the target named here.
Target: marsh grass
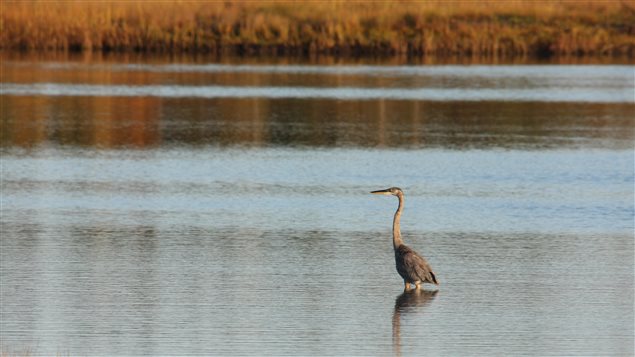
(492, 28)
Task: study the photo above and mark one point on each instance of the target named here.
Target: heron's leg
(406, 285)
(418, 285)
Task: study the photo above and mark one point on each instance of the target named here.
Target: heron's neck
(396, 229)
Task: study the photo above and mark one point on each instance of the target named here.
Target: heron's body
(412, 267)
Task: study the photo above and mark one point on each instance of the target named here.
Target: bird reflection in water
(408, 303)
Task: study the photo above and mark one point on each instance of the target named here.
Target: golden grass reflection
(150, 122)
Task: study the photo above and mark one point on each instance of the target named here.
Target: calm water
(157, 207)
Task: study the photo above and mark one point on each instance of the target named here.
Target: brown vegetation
(491, 28)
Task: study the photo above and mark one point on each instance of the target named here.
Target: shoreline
(97, 56)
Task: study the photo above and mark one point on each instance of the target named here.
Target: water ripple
(546, 94)
(483, 71)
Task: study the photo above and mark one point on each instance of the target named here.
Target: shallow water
(146, 224)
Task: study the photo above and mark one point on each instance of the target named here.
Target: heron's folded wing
(420, 267)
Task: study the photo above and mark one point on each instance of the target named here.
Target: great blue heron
(412, 267)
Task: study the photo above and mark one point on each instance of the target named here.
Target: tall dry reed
(525, 27)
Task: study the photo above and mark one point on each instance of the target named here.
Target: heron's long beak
(382, 192)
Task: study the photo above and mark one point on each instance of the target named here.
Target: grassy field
(477, 28)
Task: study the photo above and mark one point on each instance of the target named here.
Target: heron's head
(393, 191)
